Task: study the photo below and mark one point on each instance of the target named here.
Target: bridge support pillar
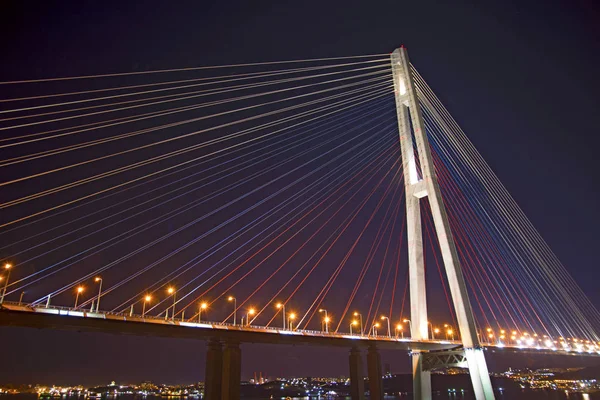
(427, 186)
(232, 371)
(421, 378)
(357, 382)
(480, 377)
(212, 374)
(374, 372)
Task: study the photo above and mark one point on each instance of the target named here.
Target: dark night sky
(520, 78)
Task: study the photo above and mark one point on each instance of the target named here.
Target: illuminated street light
(400, 328)
(98, 279)
(202, 306)
(147, 299)
(281, 306)
(79, 290)
(353, 323)
(7, 268)
(231, 298)
(374, 329)
(449, 331)
(251, 312)
(322, 310)
(291, 319)
(171, 290)
(436, 331)
(388, 325)
(356, 314)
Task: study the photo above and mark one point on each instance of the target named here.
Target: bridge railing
(146, 318)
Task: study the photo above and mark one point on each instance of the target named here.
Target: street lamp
(490, 334)
(356, 314)
(147, 299)
(388, 324)
(98, 279)
(353, 323)
(431, 327)
(7, 267)
(409, 325)
(201, 306)
(79, 291)
(449, 331)
(436, 331)
(231, 298)
(251, 312)
(281, 306)
(374, 329)
(171, 290)
(400, 329)
(291, 319)
(326, 319)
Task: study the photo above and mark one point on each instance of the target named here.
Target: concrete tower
(408, 110)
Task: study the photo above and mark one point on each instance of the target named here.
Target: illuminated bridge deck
(64, 318)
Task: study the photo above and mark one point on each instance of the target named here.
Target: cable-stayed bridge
(305, 201)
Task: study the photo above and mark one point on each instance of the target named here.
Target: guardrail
(124, 316)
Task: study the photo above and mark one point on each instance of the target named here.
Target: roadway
(63, 318)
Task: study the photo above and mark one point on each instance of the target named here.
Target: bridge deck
(67, 319)
(62, 318)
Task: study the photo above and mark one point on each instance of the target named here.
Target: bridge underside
(223, 357)
(172, 329)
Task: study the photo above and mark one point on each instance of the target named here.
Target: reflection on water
(524, 394)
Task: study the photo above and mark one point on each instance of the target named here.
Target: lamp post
(388, 325)
(99, 280)
(409, 325)
(436, 331)
(147, 299)
(291, 319)
(282, 307)
(431, 327)
(251, 312)
(201, 306)
(400, 329)
(171, 290)
(326, 319)
(7, 268)
(353, 323)
(374, 329)
(356, 314)
(449, 331)
(490, 335)
(79, 290)
(231, 298)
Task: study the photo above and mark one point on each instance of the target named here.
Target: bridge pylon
(417, 187)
